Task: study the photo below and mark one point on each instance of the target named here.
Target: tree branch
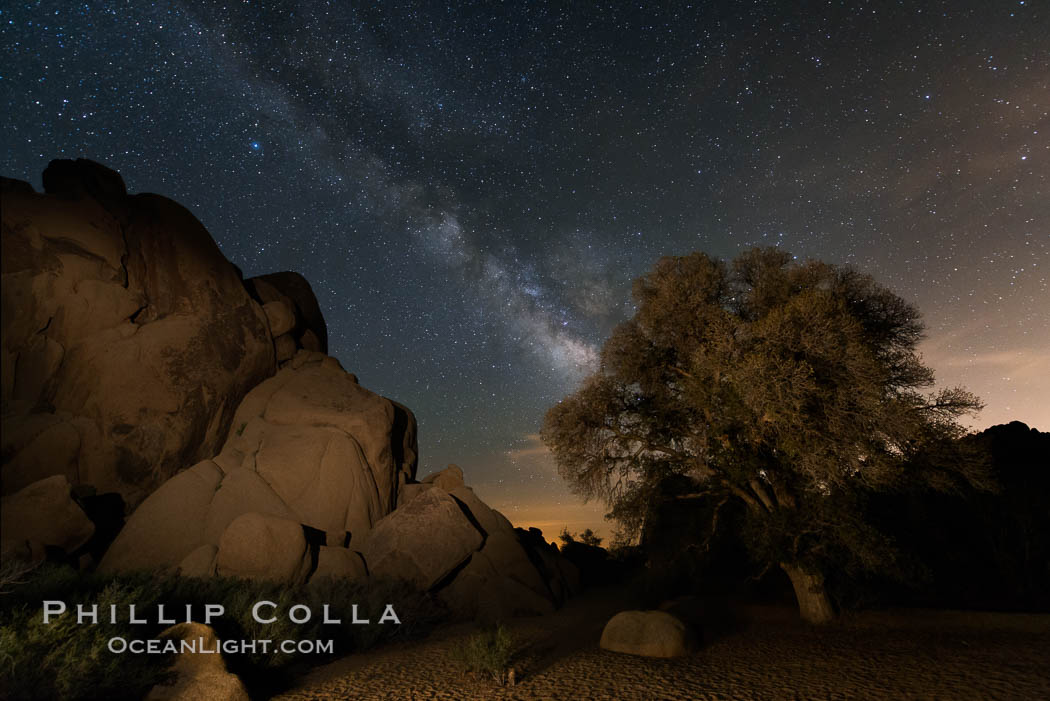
(635, 438)
(747, 498)
(784, 497)
(680, 371)
(763, 495)
(706, 545)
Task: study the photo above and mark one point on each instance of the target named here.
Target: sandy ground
(748, 653)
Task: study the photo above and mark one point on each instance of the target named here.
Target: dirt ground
(747, 653)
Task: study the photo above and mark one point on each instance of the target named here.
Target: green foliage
(70, 661)
(789, 387)
(487, 652)
(63, 660)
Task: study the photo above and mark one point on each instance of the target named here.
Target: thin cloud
(534, 448)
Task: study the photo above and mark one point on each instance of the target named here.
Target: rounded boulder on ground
(199, 675)
(648, 634)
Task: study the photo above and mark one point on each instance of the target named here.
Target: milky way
(471, 189)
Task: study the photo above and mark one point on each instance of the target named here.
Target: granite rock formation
(128, 338)
(308, 447)
(444, 539)
(139, 369)
(290, 295)
(422, 541)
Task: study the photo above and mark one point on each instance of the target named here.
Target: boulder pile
(292, 311)
(309, 451)
(443, 538)
(142, 373)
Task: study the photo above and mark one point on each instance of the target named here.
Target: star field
(470, 188)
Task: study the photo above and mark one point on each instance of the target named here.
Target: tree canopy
(788, 386)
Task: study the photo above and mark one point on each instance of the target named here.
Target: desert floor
(747, 653)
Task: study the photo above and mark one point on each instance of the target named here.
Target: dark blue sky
(470, 189)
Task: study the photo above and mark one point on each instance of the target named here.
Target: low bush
(64, 660)
(487, 652)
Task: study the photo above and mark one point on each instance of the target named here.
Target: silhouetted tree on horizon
(587, 537)
(789, 387)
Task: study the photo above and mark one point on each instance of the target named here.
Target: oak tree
(791, 387)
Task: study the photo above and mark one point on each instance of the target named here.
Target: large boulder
(648, 634)
(169, 524)
(410, 491)
(532, 577)
(280, 316)
(514, 572)
(423, 541)
(482, 590)
(323, 443)
(474, 592)
(490, 520)
(570, 576)
(507, 555)
(43, 514)
(200, 562)
(448, 479)
(309, 446)
(128, 338)
(257, 546)
(199, 675)
(292, 309)
(338, 563)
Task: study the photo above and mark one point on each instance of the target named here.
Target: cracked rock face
(423, 541)
(445, 539)
(128, 338)
(309, 450)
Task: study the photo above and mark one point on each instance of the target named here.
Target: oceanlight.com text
(204, 646)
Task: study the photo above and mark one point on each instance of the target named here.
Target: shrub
(486, 652)
(63, 660)
(14, 573)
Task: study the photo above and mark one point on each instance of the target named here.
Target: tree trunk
(813, 602)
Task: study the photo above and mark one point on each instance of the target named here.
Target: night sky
(470, 189)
